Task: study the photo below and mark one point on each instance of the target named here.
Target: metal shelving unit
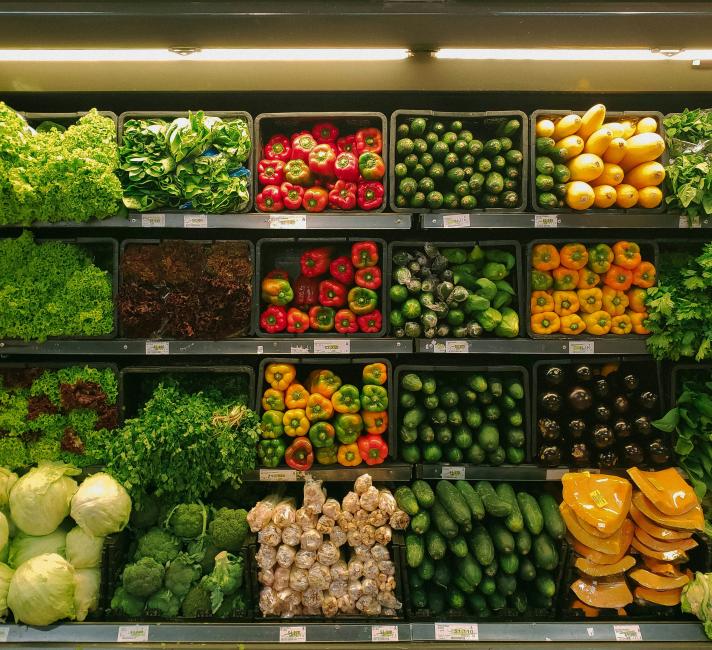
(389, 472)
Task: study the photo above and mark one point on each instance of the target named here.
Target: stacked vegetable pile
(695, 599)
(597, 289)
(315, 170)
(328, 420)
(328, 558)
(195, 162)
(187, 565)
(334, 291)
(479, 549)
(57, 174)
(51, 569)
(582, 162)
(64, 414)
(448, 167)
(599, 415)
(453, 417)
(177, 289)
(605, 518)
(438, 293)
(52, 289)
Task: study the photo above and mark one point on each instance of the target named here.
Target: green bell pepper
(487, 288)
(541, 280)
(494, 271)
(271, 425)
(454, 255)
(465, 279)
(346, 399)
(326, 455)
(475, 303)
(348, 427)
(509, 325)
(374, 398)
(502, 257)
(489, 319)
(501, 299)
(477, 255)
(271, 452)
(362, 300)
(322, 434)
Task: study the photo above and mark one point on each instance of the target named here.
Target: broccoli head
(163, 603)
(158, 545)
(188, 520)
(125, 603)
(228, 529)
(181, 574)
(143, 578)
(225, 578)
(196, 604)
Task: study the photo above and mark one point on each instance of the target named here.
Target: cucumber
(496, 387)
(477, 602)
(487, 586)
(506, 584)
(496, 601)
(515, 437)
(436, 601)
(493, 504)
(514, 521)
(533, 519)
(406, 500)
(515, 389)
(481, 545)
(414, 580)
(473, 500)
(523, 542)
(470, 570)
(501, 537)
(458, 546)
(545, 584)
(426, 570)
(518, 601)
(508, 128)
(509, 563)
(488, 437)
(443, 575)
(423, 493)
(462, 584)
(456, 598)
(420, 523)
(419, 598)
(414, 550)
(553, 522)
(435, 544)
(527, 571)
(491, 569)
(443, 522)
(451, 499)
(545, 553)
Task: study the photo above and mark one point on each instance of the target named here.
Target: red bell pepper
(332, 293)
(364, 253)
(342, 270)
(315, 199)
(373, 449)
(300, 454)
(292, 195)
(306, 292)
(325, 133)
(270, 172)
(371, 166)
(346, 322)
(277, 148)
(343, 196)
(346, 167)
(370, 195)
(369, 140)
(370, 323)
(369, 277)
(273, 319)
(322, 159)
(297, 172)
(270, 199)
(297, 320)
(321, 319)
(302, 145)
(347, 143)
(315, 262)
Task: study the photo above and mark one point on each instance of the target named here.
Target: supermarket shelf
(486, 473)
(618, 345)
(387, 472)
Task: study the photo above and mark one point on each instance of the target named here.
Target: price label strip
(457, 347)
(581, 347)
(195, 221)
(627, 633)
(153, 220)
(132, 634)
(293, 634)
(384, 633)
(456, 221)
(288, 221)
(453, 472)
(278, 475)
(332, 346)
(5, 633)
(157, 347)
(546, 221)
(456, 632)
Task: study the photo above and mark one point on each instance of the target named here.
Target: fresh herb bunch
(688, 128)
(51, 289)
(194, 162)
(55, 174)
(689, 182)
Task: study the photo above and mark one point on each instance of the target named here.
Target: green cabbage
(86, 591)
(101, 505)
(6, 574)
(25, 547)
(697, 599)
(84, 550)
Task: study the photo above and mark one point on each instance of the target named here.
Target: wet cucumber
(506, 584)
(452, 500)
(531, 513)
(501, 537)
(426, 570)
(423, 493)
(527, 571)
(494, 506)
(458, 546)
(473, 500)
(420, 523)
(443, 521)
(553, 522)
(414, 550)
(514, 520)
(481, 545)
(523, 542)
(509, 563)
(545, 584)
(435, 544)
(545, 553)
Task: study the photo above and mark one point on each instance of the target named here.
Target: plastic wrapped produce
(331, 508)
(325, 524)
(369, 587)
(266, 557)
(266, 577)
(361, 516)
(350, 502)
(347, 605)
(306, 520)
(385, 582)
(388, 599)
(378, 518)
(380, 553)
(387, 567)
(339, 571)
(355, 590)
(319, 576)
(293, 610)
(338, 536)
(345, 520)
(261, 514)
(383, 535)
(328, 553)
(368, 605)
(291, 535)
(270, 535)
(311, 611)
(355, 568)
(314, 496)
(284, 513)
(338, 588)
(311, 540)
(330, 606)
(285, 555)
(399, 520)
(388, 612)
(354, 537)
(362, 552)
(281, 578)
(368, 535)
(298, 579)
(311, 599)
(304, 559)
(387, 502)
(370, 569)
(362, 483)
(369, 499)
(289, 599)
(269, 602)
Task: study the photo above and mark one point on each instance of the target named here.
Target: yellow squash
(612, 175)
(599, 141)
(585, 167)
(573, 145)
(626, 196)
(592, 120)
(650, 197)
(646, 174)
(642, 148)
(567, 125)
(615, 152)
(604, 196)
(647, 125)
(544, 128)
(579, 195)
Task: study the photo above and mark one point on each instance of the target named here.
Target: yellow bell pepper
(598, 323)
(280, 375)
(295, 423)
(637, 319)
(614, 301)
(545, 323)
(541, 301)
(319, 408)
(565, 302)
(273, 400)
(590, 300)
(296, 397)
(572, 324)
(349, 455)
(621, 325)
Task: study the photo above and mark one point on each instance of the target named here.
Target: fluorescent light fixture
(570, 54)
(196, 54)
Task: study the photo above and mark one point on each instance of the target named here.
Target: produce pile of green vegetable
(185, 562)
(480, 550)
(697, 599)
(441, 292)
(51, 289)
(57, 174)
(441, 166)
(195, 162)
(459, 417)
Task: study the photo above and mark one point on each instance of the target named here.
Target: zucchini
(502, 539)
(458, 546)
(423, 493)
(414, 550)
(509, 563)
(481, 545)
(523, 542)
(451, 499)
(420, 523)
(443, 521)
(426, 570)
(527, 571)
(506, 584)
(473, 500)
(493, 504)
(470, 570)
(435, 544)
(406, 500)
(553, 522)
(545, 553)
(514, 521)
(531, 513)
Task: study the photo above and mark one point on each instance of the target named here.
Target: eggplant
(583, 372)
(602, 413)
(551, 402)
(550, 456)
(548, 429)
(622, 429)
(601, 388)
(643, 426)
(580, 455)
(576, 428)
(632, 454)
(579, 398)
(658, 452)
(630, 382)
(648, 400)
(602, 436)
(554, 375)
(620, 404)
(607, 459)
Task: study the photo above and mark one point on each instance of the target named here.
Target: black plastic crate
(482, 125)
(680, 373)
(610, 116)
(649, 251)
(516, 278)
(64, 119)
(285, 253)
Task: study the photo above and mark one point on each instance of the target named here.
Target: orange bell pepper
(349, 455)
(565, 302)
(572, 324)
(614, 302)
(588, 279)
(637, 319)
(295, 423)
(626, 254)
(619, 278)
(545, 323)
(598, 323)
(280, 375)
(375, 373)
(375, 421)
(644, 276)
(573, 256)
(545, 257)
(590, 300)
(319, 408)
(323, 382)
(565, 279)
(296, 397)
(541, 301)
(273, 400)
(621, 324)
(636, 299)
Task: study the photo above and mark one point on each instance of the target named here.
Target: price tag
(456, 221)
(555, 474)
(546, 221)
(627, 633)
(293, 634)
(5, 633)
(683, 222)
(589, 631)
(153, 220)
(332, 346)
(288, 221)
(384, 633)
(195, 221)
(453, 472)
(157, 347)
(581, 347)
(299, 349)
(695, 222)
(456, 632)
(260, 349)
(132, 633)
(278, 475)
(457, 347)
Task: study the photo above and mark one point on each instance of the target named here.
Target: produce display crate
(171, 115)
(285, 254)
(269, 124)
(204, 242)
(506, 372)
(649, 251)
(680, 373)
(516, 278)
(65, 119)
(610, 116)
(350, 371)
(477, 122)
(650, 370)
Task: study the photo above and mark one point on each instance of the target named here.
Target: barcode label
(381, 633)
(456, 632)
(300, 349)
(153, 220)
(627, 633)
(157, 347)
(293, 634)
(288, 221)
(581, 347)
(132, 633)
(456, 221)
(195, 221)
(454, 472)
(457, 347)
(328, 346)
(278, 475)
(546, 221)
